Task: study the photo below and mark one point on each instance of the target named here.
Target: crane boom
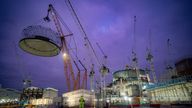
(67, 60)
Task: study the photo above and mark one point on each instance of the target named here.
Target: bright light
(144, 87)
(129, 99)
(107, 100)
(64, 55)
(3, 100)
(125, 97)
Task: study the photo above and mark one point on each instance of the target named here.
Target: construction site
(86, 69)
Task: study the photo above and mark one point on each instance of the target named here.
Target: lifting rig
(68, 69)
(88, 44)
(77, 82)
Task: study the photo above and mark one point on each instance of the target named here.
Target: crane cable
(104, 55)
(77, 24)
(69, 5)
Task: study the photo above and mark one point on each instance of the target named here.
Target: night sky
(108, 22)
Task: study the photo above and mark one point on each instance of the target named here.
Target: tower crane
(135, 59)
(169, 68)
(134, 56)
(149, 59)
(104, 70)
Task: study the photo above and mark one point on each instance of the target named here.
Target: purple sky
(108, 22)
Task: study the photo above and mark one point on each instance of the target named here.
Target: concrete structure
(174, 91)
(41, 97)
(50, 93)
(71, 99)
(9, 95)
(126, 82)
(32, 93)
(49, 97)
(41, 102)
(125, 87)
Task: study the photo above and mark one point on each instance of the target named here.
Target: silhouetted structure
(184, 67)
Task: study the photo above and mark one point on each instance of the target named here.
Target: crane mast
(91, 75)
(169, 68)
(135, 60)
(149, 59)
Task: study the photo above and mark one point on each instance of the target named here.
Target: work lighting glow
(64, 55)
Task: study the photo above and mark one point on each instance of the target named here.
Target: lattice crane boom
(67, 60)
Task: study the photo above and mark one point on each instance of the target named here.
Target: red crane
(68, 69)
(84, 83)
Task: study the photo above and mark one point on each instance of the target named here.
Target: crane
(84, 83)
(104, 70)
(135, 59)
(149, 59)
(77, 81)
(91, 75)
(104, 55)
(169, 68)
(68, 69)
(87, 41)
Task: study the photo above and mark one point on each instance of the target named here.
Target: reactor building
(127, 87)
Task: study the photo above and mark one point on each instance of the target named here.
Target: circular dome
(127, 73)
(40, 41)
